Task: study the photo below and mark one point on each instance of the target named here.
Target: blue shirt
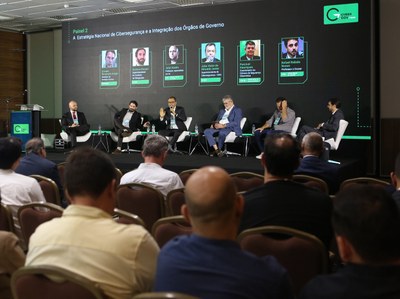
(209, 268)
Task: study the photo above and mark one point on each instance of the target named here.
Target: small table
(198, 142)
(100, 141)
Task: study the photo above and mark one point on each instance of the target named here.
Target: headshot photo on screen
(292, 47)
(211, 52)
(250, 50)
(140, 56)
(174, 54)
(109, 58)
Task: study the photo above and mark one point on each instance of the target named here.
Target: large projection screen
(334, 59)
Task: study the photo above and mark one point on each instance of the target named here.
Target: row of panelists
(171, 122)
(292, 47)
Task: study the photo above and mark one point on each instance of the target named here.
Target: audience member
(281, 121)
(35, 162)
(16, 189)
(120, 258)
(151, 172)
(126, 121)
(228, 120)
(312, 148)
(74, 122)
(329, 128)
(281, 201)
(367, 227)
(395, 178)
(12, 257)
(209, 263)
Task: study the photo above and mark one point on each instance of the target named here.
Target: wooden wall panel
(12, 75)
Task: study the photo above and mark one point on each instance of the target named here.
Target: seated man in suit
(126, 121)
(329, 128)
(209, 263)
(312, 148)
(228, 120)
(367, 229)
(74, 122)
(171, 122)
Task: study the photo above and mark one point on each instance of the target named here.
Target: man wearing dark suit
(35, 162)
(329, 128)
(171, 122)
(312, 148)
(126, 121)
(228, 120)
(250, 49)
(74, 122)
(210, 51)
(281, 201)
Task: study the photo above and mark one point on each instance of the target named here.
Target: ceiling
(39, 15)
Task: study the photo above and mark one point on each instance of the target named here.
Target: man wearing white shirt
(228, 120)
(151, 172)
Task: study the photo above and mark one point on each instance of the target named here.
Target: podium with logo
(25, 125)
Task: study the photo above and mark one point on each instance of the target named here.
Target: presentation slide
(307, 51)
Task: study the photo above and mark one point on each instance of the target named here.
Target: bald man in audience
(312, 147)
(209, 263)
(367, 228)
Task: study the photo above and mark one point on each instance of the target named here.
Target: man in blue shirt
(209, 263)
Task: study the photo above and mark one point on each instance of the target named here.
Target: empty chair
(6, 219)
(32, 282)
(365, 181)
(295, 127)
(174, 201)
(31, 215)
(124, 217)
(184, 175)
(50, 189)
(142, 200)
(245, 181)
(302, 254)
(312, 182)
(164, 295)
(167, 228)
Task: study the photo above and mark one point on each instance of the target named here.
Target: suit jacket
(134, 124)
(215, 60)
(34, 164)
(331, 126)
(291, 204)
(314, 166)
(235, 116)
(67, 121)
(254, 57)
(180, 117)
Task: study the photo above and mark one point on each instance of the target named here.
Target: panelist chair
(79, 139)
(231, 138)
(334, 143)
(184, 134)
(295, 127)
(126, 140)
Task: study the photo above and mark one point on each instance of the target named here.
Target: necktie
(74, 115)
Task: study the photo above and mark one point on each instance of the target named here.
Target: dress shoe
(220, 153)
(171, 149)
(216, 152)
(116, 152)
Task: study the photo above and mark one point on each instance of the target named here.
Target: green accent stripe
(357, 137)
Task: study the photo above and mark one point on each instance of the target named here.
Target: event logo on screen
(20, 129)
(341, 14)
